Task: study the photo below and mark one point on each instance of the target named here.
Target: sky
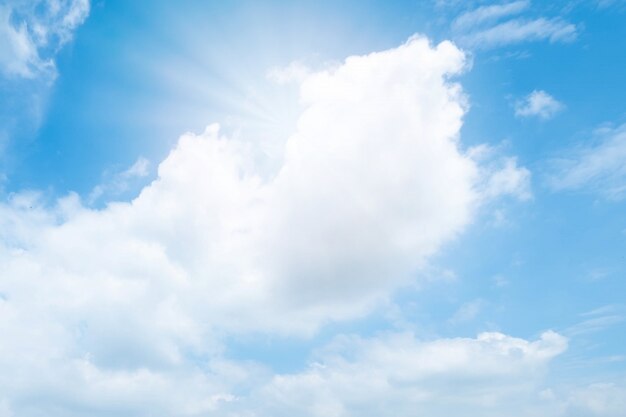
(312, 209)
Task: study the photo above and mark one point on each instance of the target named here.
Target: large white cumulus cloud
(373, 181)
(124, 305)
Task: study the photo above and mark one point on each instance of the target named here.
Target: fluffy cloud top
(122, 307)
(372, 183)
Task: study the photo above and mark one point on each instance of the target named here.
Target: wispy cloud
(538, 104)
(594, 324)
(18, 54)
(602, 4)
(486, 14)
(467, 311)
(31, 33)
(509, 23)
(521, 30)
(607, 309)
(597, 320)
(598, 166)
(294, 72)
(118, 183)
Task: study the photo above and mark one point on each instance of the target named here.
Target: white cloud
(294, 72)
(501, 176)
(18, 54)
(124, 305)
(499, 25)
(467, 311)
(598, 166)
(372, 183)
(138, 169)
(490, 13)
(595, 324)
(120, 182)
(521, 30)
(598, 399)
(510, 180)
(538, 104)
(597, 320)
(32, 32)
(610, 3)
(396, 374)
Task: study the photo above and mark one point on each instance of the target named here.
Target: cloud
(605, 399)
(598, 166)
(120, 182)
(538, 104)
(126, 306)
(396, 374)
(501, 176)
(18, 54)
(491, 13)
(510, 180)
(595, 324)
(597, 320)
(294, 72)
(493, 26)
(467, 311)
(602, 4)
(519, 30)
(31, 33)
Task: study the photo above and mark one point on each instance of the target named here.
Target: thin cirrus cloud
(598, 166)
(538, 104)
(485, 14)
(112, 310)
(118, 183)
(505, 24)
(31, 33)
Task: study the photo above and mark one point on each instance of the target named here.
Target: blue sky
(357, 208)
